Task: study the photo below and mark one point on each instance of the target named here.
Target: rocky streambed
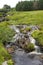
(20, 41)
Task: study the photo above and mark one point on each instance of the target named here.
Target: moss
(25, 30)
(29, 47)
(28, 29)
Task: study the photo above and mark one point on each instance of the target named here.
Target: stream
(20, 56)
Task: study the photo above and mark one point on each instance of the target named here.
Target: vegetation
(24, 6)
(25, 30)
(38, 35)
(29, 47)
(6, 7)
(3, 54)
(3, 11)
(29, 5)
(29, 18)
(6, 33)
(41, 4)
(10, 62)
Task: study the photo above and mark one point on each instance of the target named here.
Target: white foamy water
(35, 53)
(32, 40)
(15, 29)
(37, 49)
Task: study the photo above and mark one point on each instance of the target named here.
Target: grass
(29, 47)
(38, 35)
(25, 30)
(10, 62)
(6, 34)
(3, 54)
(29, 17)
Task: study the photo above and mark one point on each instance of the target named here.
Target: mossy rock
(25, 30)
(29, 47)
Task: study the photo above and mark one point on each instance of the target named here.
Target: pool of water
(22, 58)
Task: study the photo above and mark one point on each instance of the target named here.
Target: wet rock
(41, 56)
(10, 49)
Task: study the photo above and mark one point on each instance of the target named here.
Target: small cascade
(15, 29)
(19, 35)
(32, 40)
(37, 48)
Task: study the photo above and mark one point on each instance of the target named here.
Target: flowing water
(22, 58)
(37, 48)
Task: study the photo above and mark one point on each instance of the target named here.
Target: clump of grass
(29, 47)
(6, 33)
(38, 35)
(10, 62)
(3, 54)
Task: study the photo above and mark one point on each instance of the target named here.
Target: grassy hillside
(6, 34)
(29, 17)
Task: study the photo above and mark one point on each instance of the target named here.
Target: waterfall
(37, 48)
(20, 35)
(15, 28)
(32, 40)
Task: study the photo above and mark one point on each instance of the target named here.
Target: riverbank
(4, 55)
